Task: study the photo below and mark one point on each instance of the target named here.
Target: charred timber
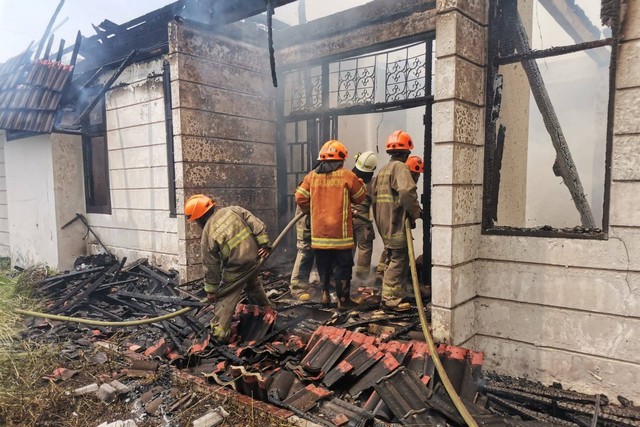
(566, 167)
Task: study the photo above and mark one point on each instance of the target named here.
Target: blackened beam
(47, 50)
(564, 165)
(74, 55)
(48, 30)
(161, 298)
(529, 413)
(60, 50)
(107, 85)
(554, 51)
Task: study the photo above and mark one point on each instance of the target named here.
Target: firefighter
(304, 258)
(232, 241)
(395, 197)
(416, 167)
(327, 192)
(363, 230)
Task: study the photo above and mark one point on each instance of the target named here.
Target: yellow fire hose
(165, 316)
(427, 335)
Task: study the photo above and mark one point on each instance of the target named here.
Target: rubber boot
(344, 296)
(326, 295)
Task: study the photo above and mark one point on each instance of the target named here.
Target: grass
(28, 400)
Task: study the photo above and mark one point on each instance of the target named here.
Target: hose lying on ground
(462, 410)
(165, 316)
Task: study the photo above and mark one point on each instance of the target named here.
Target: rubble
(331, 368)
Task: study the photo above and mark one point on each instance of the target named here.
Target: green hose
(165, 316)
(427, 335)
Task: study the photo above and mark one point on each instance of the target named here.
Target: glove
(263, 252)
(211, 297)
(412, 222)
(211, 289)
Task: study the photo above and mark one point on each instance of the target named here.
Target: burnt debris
(359, 368)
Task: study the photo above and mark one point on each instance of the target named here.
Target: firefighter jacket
(363, 209)
(328, 196)
(230, 242)
(394, 194)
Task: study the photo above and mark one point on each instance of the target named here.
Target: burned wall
(552, 309)
(140, 223)
(224, 125)
(5, 249)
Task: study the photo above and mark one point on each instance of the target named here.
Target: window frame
(90, 131)
(491, 176)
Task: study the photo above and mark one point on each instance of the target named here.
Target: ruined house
(528, 112)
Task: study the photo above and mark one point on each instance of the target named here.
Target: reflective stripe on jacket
(230, 242)
(394, 193)
(328, 196)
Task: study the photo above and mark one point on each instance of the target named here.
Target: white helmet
(367, 161)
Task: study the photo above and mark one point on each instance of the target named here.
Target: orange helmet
(196, 206)
(415, 164)
(399, 141)
(333, 150)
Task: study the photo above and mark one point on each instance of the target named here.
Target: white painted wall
(139, 224)
(30, 198)
(5, 249)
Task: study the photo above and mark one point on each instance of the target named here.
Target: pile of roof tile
(323, 365)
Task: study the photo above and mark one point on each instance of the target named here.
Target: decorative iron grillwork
(405, 78)
(296, 85)
(389, 76)
(356, 86)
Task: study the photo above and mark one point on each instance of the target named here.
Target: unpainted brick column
(224, 122)
(625, 171)
(458, 135)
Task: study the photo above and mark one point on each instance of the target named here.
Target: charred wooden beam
(60, 50)
(554, 51)
(48, 29)
(106, 86)
(161, 298)
(566, 168)
(47, 50)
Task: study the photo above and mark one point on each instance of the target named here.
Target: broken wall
(224, 125)
(5, 249)
(140, 223)
(553, 309)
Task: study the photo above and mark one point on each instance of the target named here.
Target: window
(96, 161)
(548, 135)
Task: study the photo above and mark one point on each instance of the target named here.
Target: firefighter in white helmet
(362, 225)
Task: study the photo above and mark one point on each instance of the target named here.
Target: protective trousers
(364, 236)
(382, 266)
(228, 298)
(334, 261)
(395, 276)
(302, 267)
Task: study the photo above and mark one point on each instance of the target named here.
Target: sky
(22, 21)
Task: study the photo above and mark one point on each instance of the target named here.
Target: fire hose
(165, 316)
(427, 335)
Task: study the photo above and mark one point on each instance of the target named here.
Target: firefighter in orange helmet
(328, 192)
(232, 241)
(395, 197)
